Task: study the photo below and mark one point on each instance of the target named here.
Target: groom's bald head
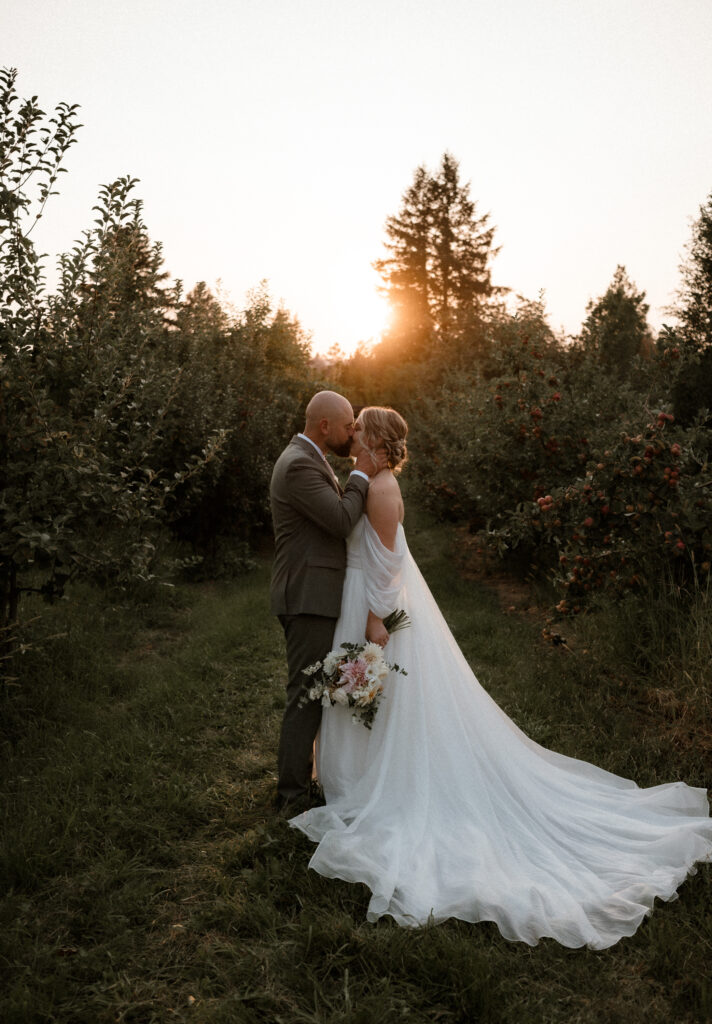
(327, 405)
(330, 422)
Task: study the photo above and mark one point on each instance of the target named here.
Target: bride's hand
(376, 632)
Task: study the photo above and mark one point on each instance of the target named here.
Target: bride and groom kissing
(444, 808)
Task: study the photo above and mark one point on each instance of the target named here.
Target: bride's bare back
(384, 508)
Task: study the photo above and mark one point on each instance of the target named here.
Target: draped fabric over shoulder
(446, 809)
(381, 568)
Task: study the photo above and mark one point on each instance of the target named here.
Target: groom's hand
(376, 632)
(371, 464)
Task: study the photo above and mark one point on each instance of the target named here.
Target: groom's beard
(342, 450)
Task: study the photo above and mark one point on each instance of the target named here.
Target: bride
(445, 808)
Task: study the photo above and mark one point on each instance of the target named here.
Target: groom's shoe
(291, 808)
(314, 797)
(316, 794)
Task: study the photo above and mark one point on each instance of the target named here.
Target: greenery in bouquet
(353, 676)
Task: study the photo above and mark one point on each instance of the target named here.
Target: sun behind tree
(437, 273)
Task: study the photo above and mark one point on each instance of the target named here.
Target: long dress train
(447, 809)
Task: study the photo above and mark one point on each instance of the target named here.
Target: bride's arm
(376, 632)
(384, 508)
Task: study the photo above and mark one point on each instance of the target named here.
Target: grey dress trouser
(309, 639)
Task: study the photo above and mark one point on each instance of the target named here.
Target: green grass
(148, 880)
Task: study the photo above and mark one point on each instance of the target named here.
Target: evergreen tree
(406, 271)
(616, 326)
(437, 272)
(692, 391)
(462, 245)
(695, 308)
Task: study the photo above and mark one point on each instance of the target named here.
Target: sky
(272, 138)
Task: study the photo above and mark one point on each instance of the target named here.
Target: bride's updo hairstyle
(383, 427)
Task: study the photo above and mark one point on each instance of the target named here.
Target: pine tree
(406, 271)
(695, 307)
(692, 391)
(616, 326)
(437, 272)
(462, 245)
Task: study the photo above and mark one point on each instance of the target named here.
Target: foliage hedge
(566, 469)
(132, 415)
(129, 414)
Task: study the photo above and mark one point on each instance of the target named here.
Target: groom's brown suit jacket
(312, 517)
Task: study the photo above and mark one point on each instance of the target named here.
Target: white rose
(340, 696)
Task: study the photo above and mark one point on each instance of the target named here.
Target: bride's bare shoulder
(384, 484)
(384, 507)
(383, 493)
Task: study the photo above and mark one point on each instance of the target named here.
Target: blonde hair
(384, 427)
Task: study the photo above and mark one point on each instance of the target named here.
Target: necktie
(334, 477)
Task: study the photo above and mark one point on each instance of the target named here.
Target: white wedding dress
(446, 809)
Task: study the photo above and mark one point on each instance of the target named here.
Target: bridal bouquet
(353, 676)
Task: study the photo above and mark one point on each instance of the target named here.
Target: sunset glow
(272, 140)
(371, 316)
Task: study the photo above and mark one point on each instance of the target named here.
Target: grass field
(147, 879)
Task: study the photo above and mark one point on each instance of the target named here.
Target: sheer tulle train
(446, 809)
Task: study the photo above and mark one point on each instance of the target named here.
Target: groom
(312, 516)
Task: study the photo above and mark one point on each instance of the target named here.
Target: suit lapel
(320, 462)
